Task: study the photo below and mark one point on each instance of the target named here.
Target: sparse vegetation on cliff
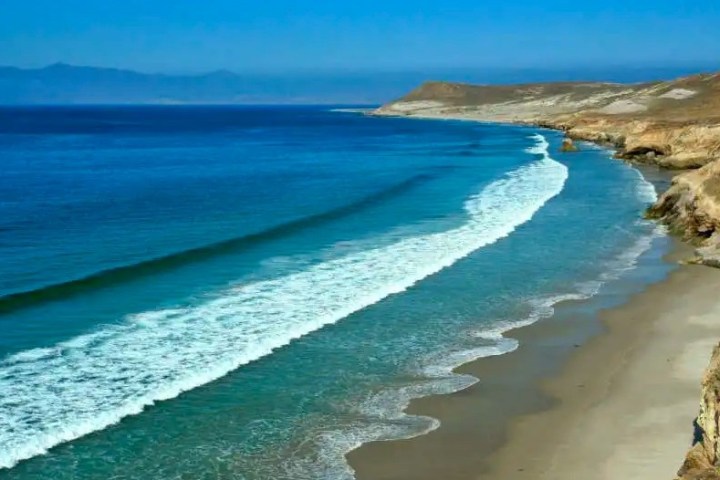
(674, 125)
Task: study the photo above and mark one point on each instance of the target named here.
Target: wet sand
(605, 399)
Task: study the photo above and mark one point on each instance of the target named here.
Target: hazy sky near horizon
(291, 35)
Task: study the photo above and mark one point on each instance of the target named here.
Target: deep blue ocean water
(250, 292)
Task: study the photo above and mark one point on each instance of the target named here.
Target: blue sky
(292, 35)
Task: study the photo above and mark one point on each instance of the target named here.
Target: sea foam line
(92, 381)
(384, 413)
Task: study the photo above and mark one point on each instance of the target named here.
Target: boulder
(568, 145)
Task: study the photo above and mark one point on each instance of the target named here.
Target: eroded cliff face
(703, 460)
(673, 124)
(691, 206)
(674, 145)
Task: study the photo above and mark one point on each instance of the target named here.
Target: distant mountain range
(67, 84)
(61, 83)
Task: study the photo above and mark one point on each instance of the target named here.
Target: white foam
(645, 190)
(382, 415)
(386, 410)
(99, 378)
(32, 355)
(352, 110)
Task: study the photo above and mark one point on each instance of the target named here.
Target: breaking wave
(152, 356)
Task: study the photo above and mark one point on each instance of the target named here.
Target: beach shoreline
(606, 403)
(590, 411)
(627, 399)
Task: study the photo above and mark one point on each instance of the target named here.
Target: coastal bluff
(672, 124)
(703, 460)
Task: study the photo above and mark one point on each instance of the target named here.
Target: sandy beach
(619, 405)
(633, 418)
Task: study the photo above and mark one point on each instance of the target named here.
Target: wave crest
(119, 370)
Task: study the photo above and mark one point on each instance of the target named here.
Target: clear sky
(290, 35)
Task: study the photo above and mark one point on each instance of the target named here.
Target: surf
(153, 356)
(127, 273)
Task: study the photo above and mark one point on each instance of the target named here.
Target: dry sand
(620, 406)
(633, 418)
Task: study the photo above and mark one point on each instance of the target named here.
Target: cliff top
(675, 123)
(690, 99)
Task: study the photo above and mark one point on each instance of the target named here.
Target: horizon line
(701, 67)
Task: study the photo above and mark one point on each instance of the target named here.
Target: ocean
(251, 292)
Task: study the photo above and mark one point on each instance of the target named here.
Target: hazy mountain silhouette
(61, 83)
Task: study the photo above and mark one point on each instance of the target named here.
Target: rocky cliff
(675, 124)
(672, 124)
(703, 460)
(691, 206)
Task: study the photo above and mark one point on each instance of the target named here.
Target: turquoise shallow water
(248, 293)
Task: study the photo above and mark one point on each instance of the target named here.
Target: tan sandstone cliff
(672, 124)
(676, 122)
(703, 460)
(691, 206)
